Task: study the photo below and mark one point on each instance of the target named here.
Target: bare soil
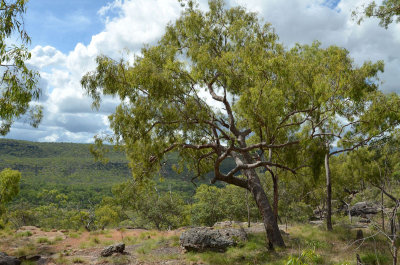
(72, 247)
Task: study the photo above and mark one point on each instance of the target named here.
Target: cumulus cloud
(131, 23)
(46, 56)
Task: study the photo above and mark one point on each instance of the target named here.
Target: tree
(348, 109)
(18, 85)
(258, 98)
(380, 167)
(387, 12)
(213, 204)
(163, 109)
(105, 216)
(9, 187)
(146, 207)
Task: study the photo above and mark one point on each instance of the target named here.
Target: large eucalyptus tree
(217, 86)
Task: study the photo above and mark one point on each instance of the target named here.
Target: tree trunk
(328, 193)
(275, 187)
(274, 236)
(276, 195)
(248, 208)
(382, 211)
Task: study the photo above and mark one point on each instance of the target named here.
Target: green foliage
(65, 173)
(387, 12)
(307, 256)
(299, 212)
(18, 82)
(207, 209)
(9, 187)
(373, 258)
(146, 207)
(105, 216)
(213, 204)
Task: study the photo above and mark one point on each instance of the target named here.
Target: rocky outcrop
(8, 260)
(229, 224)
(117, 248)
(364, 209)
(208, 238)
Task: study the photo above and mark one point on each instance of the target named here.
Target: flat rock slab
(208, 238)
(8, 260)
(364, 209)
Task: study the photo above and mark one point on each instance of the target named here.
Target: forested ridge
(71, 169)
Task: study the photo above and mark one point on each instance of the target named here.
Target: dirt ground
(82, 247)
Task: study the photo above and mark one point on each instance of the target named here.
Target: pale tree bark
(328, 193)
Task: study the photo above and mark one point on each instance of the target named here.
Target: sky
(67, 35)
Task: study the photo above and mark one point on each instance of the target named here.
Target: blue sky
(67, 35)
(63, 24)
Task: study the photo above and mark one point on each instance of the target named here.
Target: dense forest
(71, 170)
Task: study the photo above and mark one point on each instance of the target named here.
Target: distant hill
(70, 169)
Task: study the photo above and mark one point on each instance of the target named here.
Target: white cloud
(46, 56)
(68, 116)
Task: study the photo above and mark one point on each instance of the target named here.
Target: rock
(30, 258)
(117, 248)
(365, 220)
(207, 238)
(43, 261)
(363, 209)
(8, 260)
(30, 228)
(360, 234)
(227, 224)
(317, 222)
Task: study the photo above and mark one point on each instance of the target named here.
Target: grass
(74, 235)
(28, 262)
(305, 243)
(79, 260)
(116, 260)
(23, 234)
(58, 238)
(95, 240)
(372, 258)
(61, 259)
(44, 240)
(147, 246)
(28, 249)
(130, 240)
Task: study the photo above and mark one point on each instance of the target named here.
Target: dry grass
(329, 248)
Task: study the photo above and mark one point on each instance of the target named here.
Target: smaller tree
(9, 187)
(105, 216)
(146, 207)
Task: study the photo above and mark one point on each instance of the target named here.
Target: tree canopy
(18, 85)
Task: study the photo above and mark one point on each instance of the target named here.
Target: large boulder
(364, 209)
(208, 238)
(117, 248)
(8, 260)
